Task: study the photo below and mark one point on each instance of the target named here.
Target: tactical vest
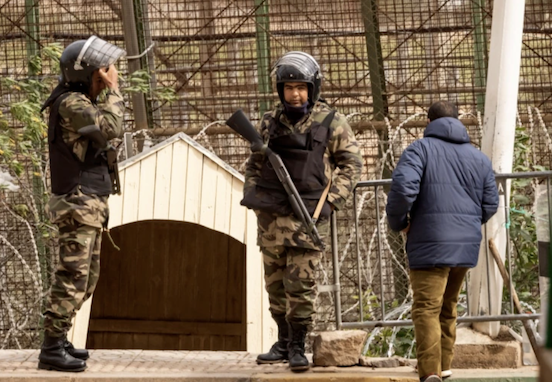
(303, 156)
(68, 173)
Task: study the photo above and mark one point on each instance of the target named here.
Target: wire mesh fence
(27, 259)
(383, 62)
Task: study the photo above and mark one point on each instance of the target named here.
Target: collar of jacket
(278, 114)
(60, 89)
(281, 117)
(448, 129)
(296, 113)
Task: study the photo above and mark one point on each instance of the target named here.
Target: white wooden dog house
(189, 274)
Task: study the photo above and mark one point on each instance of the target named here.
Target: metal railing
(378, 185)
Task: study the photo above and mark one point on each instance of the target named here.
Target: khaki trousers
(434, 314)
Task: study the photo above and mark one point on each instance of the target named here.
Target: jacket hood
(448, 129)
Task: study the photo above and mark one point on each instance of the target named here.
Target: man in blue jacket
(443, 190)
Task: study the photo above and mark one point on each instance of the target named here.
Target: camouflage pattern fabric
(79, 217)
(76, 275)
(290, 282)
(77, 111)
(342, 153)
(91, 210)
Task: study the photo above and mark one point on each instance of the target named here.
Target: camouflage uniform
(79, 217)
(290, 257)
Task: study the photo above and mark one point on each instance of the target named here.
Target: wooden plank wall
(178, 182)
(173, 285)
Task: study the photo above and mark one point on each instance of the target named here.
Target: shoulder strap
(323, 133)
(53, 120)
(321, 201)
(328, 120)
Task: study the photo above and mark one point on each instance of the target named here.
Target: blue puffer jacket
(449, 189)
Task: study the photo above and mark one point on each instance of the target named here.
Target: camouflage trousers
(76, 275)
(290, 281)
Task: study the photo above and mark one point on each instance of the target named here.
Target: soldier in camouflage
(81, 184)
(313, 142)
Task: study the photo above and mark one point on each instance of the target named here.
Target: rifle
(241, 125)
(94, 133)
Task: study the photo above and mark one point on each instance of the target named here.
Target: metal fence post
(380, 257)
(129, 150)
(32, 28)
(335, 260)
(262, 27)
(548, 341)
(131, 42)
(359, 268)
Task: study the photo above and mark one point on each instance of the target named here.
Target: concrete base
(474, 350)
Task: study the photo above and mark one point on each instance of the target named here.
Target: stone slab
(474, 350)
(338, 347)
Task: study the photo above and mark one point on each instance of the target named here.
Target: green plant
(399, 340)
(28, 141)
(139, 82)
(23, 140)
(522, 223)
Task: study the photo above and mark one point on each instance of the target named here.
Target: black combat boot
(77, 353)
(53, 356)
(278, 352)
(297, 360)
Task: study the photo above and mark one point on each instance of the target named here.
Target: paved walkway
(210, 366)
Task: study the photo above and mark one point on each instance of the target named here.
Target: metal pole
(499, 134)
(337, 285)
(369, 10)
(508, 254)
(488, 269)
(131, 43)
(549, 324)
(129, 150)
(515, 175)
(32, 25)
(400, 323)
(207, 49)
(359, 268)
(32, 29)
(262, 27)
(154, 114)
(380, 257)
(480, 50)
(467, 294)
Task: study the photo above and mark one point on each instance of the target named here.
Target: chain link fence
(384, 63)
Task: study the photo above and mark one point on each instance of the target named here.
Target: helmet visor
(98, 53)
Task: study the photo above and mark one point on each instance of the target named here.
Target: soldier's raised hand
(110, 77)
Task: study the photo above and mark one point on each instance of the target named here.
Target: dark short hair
(442, 109)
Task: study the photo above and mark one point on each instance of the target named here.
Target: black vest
(303, 156)
(68, 173)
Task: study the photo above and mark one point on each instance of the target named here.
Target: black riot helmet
(298, 67)
(81, 58)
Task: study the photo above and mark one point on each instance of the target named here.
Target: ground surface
(210, 366)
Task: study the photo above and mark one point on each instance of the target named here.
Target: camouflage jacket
(77, 111)
(342, 153)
